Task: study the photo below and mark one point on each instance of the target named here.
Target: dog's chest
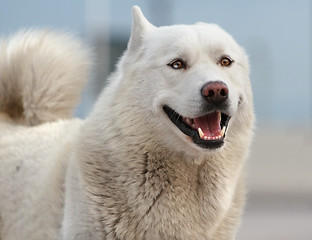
(177, 214)
(171, 204)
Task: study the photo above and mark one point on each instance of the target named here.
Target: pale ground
(280, 184)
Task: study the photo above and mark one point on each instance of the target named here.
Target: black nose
(215, 92)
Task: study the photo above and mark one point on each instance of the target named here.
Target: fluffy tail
(42, 74)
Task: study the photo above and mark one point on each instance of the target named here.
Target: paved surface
(278, 218)
(280, 184)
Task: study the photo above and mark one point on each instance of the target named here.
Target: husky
(161, 155)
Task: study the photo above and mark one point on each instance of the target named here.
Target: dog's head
(192, 81)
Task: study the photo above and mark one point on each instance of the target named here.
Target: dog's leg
(228, 226)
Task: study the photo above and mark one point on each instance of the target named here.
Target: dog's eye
(177, 64)
(226, 61)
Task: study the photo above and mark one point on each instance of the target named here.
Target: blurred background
(278, 38)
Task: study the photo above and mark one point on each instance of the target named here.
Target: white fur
(126, 172)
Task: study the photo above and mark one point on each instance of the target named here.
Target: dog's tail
(42, 74)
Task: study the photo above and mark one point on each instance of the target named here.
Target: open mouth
(206, 131)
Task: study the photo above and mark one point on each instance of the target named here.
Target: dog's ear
(140, 26)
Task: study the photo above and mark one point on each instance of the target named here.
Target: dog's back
(41, 76)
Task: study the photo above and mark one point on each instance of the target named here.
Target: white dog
(161, 155)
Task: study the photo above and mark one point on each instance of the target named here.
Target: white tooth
(200, 132)
(219, 116)
(222, 132)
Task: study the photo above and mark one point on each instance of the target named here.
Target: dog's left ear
(140, 26)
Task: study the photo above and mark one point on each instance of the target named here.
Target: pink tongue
(209, 124)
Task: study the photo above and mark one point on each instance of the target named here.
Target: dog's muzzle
(208, 130)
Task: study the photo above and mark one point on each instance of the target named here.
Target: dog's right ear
(140, 26)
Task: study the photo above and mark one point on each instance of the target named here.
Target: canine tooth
(222, 132)
(200, 132)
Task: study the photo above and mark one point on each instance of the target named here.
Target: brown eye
(226, 61)
(177, 64)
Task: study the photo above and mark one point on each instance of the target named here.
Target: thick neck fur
(142, 189)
